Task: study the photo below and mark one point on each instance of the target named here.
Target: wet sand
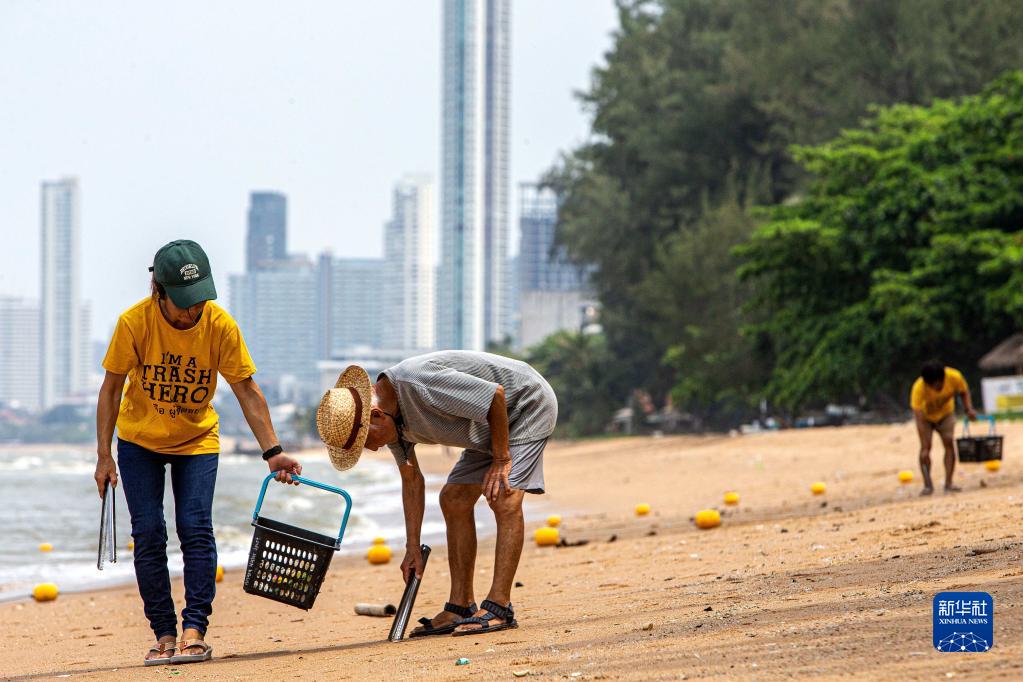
(791, 585)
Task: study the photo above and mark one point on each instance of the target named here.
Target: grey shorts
(526, 472)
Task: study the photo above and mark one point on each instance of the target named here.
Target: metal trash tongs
(107, 525)
(408, 600)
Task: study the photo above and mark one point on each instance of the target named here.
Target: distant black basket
(979, 448)
(287, 563)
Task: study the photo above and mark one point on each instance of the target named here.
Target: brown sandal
(207, 652)
(160, 648)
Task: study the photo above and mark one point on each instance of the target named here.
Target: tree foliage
(694, 115)
(907, 245)
(585, 377)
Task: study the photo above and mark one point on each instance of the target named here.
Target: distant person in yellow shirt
(933, 402)
(170, 347)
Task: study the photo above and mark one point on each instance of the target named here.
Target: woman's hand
(106, 470)
(284, 467)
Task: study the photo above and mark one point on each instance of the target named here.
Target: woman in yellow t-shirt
(170, 347)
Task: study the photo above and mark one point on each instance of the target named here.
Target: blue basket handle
(990, 424)
(315, 484)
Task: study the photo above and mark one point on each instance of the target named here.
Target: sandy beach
(791, 584)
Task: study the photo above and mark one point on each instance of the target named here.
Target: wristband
(272, 452)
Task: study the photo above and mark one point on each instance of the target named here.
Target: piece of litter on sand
(520, 673)
(462, 661)
(576, 674)
(976, 551)
(648, 626)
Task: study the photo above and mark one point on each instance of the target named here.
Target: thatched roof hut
(1006, 355)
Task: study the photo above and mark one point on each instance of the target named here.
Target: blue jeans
(193, 478)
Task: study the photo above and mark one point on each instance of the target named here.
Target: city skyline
(176, 156)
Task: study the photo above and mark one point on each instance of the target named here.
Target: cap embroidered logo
(190, 271)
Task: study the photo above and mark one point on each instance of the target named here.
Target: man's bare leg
(458, 501)
(510, 533)
(925, 457)
(950, 463)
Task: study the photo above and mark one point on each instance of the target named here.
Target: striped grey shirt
(444, 398)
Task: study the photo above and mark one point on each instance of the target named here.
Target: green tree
(585, 377)
(697, 107)
(907, 245)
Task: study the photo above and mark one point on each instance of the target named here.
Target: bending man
(501, 412)
(933, 401)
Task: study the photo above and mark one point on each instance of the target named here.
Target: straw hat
(343, 417)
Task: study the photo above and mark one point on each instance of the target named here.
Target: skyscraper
(266, 239)
(63, 333)
(410, 314)
(474, 189)
(356, 320)
(552, 290)
(19, 352)
(277, 308)
(542, 265)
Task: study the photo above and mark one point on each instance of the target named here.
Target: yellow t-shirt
(172, 376)
(936, 405)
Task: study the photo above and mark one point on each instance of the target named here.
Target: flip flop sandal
(207, 652)
(493, 610)
(160, 648)
(428, 629)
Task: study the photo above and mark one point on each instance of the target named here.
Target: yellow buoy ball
(45, 592)
(379, 541)
(731, 498)
(46, 547)
(546, 536)
(642, 509)
(553, 520)
(220, 573)
(131, 544)
(379, 554)
(818, 488)
(905, 476)
(993, 464)
(708, 518)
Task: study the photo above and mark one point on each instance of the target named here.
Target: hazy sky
(170, 113)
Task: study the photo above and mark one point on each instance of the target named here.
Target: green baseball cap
(183, 270)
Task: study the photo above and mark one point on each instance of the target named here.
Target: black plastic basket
(288, 563)
(979, 448)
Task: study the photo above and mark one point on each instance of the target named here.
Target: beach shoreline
(434, 470)
(791, 584)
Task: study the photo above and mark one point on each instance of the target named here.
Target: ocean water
(50, 496)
